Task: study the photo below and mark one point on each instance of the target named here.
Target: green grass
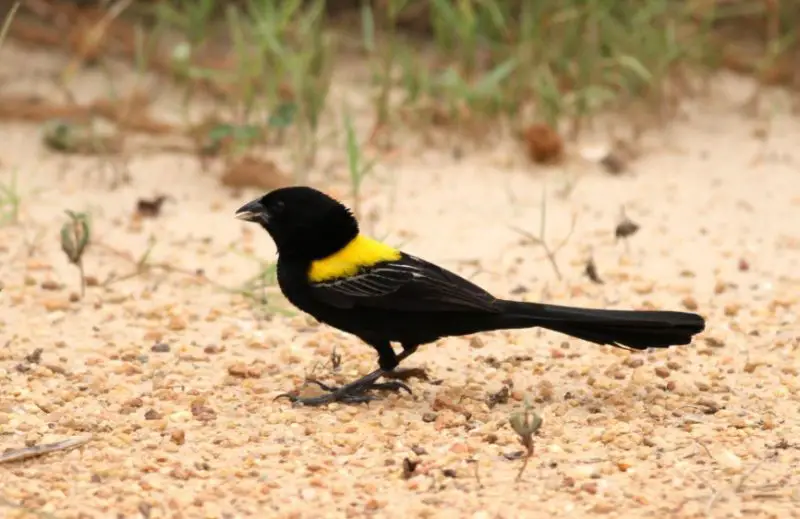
(358, 167)
(475, 62)
(567, 59)
(7, 21)
(10, 201)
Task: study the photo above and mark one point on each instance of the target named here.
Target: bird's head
(304, 223)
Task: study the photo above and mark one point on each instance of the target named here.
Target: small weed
(240, 137)
(10, 201)
(336, 360)
(388, 50)
(279, 76)
(75, 237)
(192, 18)
(285, 53)
(7, 21)
(359, 168)
(525, 423)
(258, 289)
(90, 138)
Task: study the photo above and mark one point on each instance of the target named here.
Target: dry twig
(550, 253)
(11, 455)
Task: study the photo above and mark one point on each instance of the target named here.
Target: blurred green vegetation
(460, 62)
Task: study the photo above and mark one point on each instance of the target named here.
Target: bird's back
(398, 317)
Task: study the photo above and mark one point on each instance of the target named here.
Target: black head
(303, 222)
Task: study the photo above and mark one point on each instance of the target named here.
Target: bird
(329, 269)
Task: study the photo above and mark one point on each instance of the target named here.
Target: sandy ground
(173, 376)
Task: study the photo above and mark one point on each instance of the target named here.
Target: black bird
(331, 271)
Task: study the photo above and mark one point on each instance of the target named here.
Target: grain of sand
(174, 377)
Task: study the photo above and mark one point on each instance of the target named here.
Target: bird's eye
(278, 206)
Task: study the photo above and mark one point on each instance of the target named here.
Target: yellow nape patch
(360, 252)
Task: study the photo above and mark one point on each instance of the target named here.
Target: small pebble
(429, 417)
(178, 436)
(634, 362)
(690, 303)
(50, 285)
(176, 324)
(55, 305)
(590, 487)
(603, 508)
(662, 371)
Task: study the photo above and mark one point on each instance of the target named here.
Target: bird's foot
(356, 392)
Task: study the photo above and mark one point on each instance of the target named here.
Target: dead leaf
(150, 208)
(591, 272)
(253, 172)
(626, 227)
(614, 163)
(545, 145)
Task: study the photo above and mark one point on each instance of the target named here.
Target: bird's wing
(408, 284)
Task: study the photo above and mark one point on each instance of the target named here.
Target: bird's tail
(637, 329)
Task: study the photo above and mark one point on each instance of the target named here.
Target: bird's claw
(327, 398)
(353, 393)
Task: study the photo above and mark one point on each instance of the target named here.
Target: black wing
(410, 284)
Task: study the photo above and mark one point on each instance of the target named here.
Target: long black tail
(637, 329)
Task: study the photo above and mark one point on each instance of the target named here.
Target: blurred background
(265, 68)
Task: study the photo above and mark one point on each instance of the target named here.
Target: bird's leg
(357, 391)
(408, 373)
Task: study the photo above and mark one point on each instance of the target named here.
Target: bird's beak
(252, 212)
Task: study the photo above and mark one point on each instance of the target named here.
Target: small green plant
(192, 18)
(75, 238)
(310, 71)
(358, 167)
(525, 423)
(387, 51)
(284, 63)
(10, 201)
(242, 137)
(7, 22)
(256, 287)
(281, 72)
